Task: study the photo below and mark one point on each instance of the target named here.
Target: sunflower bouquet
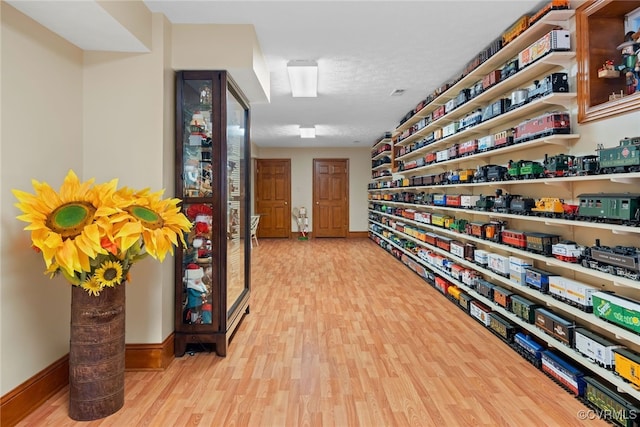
(93, 233)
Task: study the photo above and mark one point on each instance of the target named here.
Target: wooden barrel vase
(96, 354)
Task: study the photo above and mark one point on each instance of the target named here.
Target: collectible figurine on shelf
(205, 95)
(630, 66)
(196, 293)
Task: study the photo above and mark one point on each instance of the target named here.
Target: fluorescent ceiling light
(307, 132)
(303, 78)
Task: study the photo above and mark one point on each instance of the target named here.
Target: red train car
(467, 148)
(442, 285)
(443, 243)
(514, 238)
(491, 79)
(454, 201)
(543, 125)
(438, 112)
(430, 158)
(503, 138)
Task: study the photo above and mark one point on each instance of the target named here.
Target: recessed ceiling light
(307, 132)
(303, 78)
(397, 92)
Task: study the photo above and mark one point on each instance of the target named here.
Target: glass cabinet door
(199, 277)
(238, 234)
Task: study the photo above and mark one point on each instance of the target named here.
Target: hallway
(341, 334)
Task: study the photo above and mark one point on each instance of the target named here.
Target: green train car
(525, 169)
(623, 208)
(611, 406)
(623, 158)
(621, 311)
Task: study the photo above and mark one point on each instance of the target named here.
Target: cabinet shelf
(548, 301)
(533, 33)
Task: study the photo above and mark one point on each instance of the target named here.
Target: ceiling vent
(397, 92)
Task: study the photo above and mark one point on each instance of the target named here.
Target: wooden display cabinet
(212, 274)
(600, 29)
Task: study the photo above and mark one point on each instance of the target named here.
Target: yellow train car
(627, 365)
(515, 30)
(549, 205)
(454, 292)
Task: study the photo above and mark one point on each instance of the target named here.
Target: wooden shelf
(575, 313)
(381, 154)
(548, 22)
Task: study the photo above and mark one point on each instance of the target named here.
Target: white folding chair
(255, 219)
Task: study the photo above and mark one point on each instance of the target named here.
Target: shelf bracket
(554, 183)
(621, 180)
(620, 232)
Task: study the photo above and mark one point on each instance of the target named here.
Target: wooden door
(330, 197)
(273, 195)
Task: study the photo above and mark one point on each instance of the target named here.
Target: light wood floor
(342, 334)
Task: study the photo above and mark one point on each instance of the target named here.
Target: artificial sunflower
(93, 233)
(64, 224)
(109, 273)
(158, 221)
(92, 286)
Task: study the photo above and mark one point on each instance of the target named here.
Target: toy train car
(524, 308)
(556, 326)
(624, 158)
(541, 126)
(572, 292)
(553, 83)
(627, 365)
(480, 312)
(620, 208)
(515, 30)
(618, 310)
(563, 372)
(525, 169)
(619, 260)
(541, 243)
(616, 408)
(568, 251)
(502, 327)
(596, 348)
(548, 7)
(537, 279)
(555, 40)
(528, 348)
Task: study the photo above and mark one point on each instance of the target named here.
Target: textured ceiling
(364, 49)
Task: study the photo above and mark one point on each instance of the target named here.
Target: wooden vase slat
(96, 353)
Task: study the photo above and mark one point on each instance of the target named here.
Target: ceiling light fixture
(307, 132)
(303, 78)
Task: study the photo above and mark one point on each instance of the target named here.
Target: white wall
(302, 178)
(41, 139)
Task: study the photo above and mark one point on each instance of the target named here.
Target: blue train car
(440, 199)
(538, 279)
(528, 348)
(563, 372)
